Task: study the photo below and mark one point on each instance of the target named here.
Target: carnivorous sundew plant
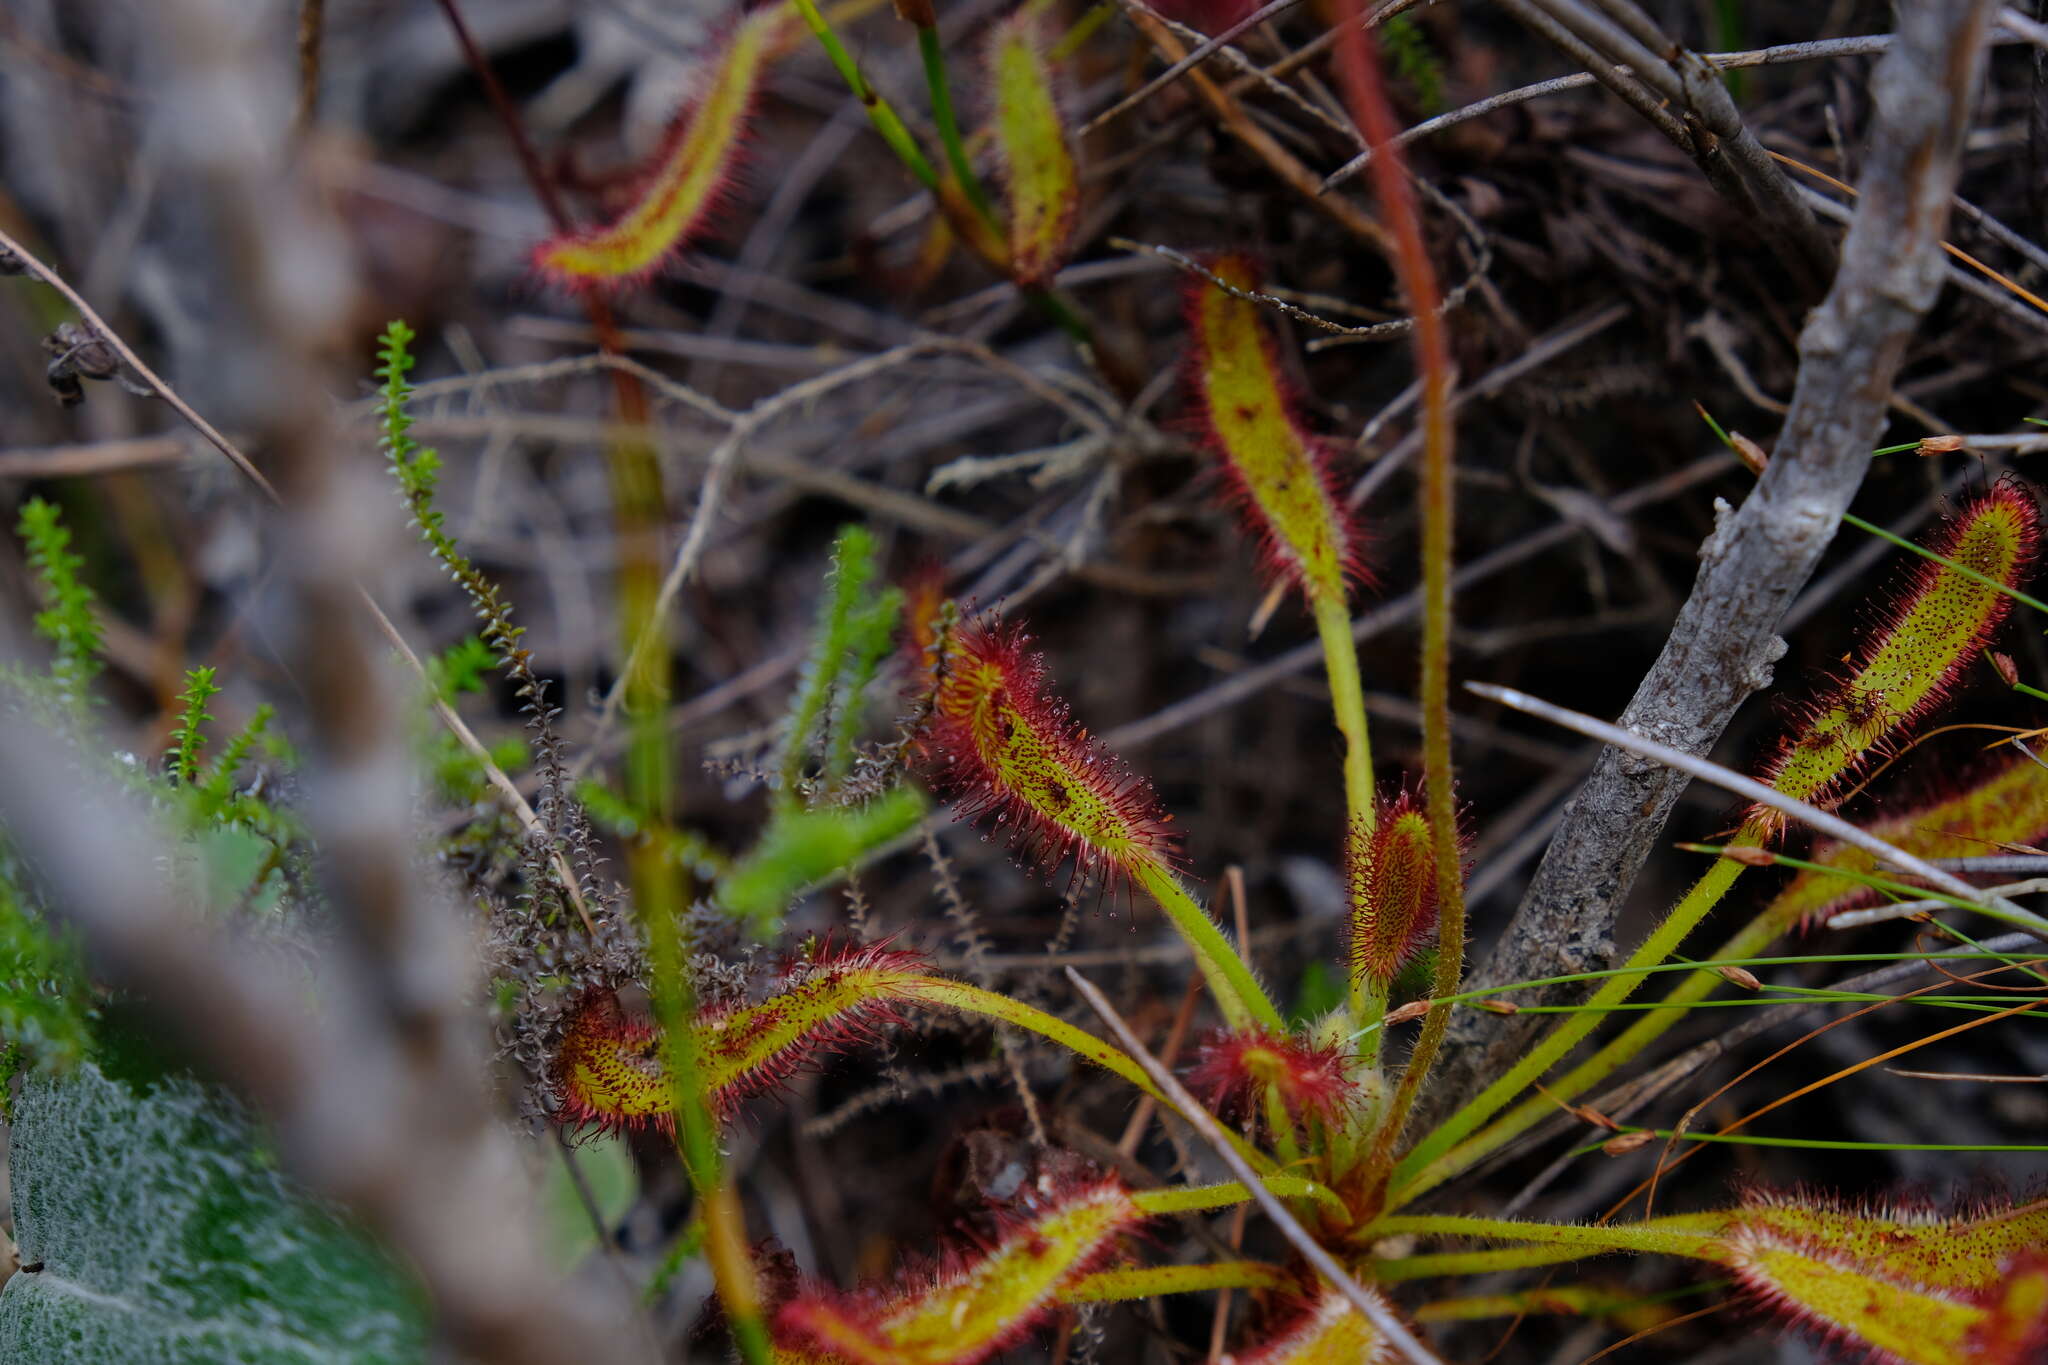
(901, 809)
(996, 739)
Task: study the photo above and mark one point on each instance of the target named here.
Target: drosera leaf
(1032, 143)
(1390, 872)
(688, 178)
(166, 1235)
(1279, 472)
(2005, 806)
(1330, 1331)
(1005, 747)
(979, 1303)
(1902, 1284)
(608, 1068)
(1932, 634)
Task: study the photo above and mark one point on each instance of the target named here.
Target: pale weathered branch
(1723, 644)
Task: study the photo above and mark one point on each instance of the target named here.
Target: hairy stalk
(1367, 98)
(1144, 1282)
(1443, 1153)
(1198, 1198)
(1687, 1235)
(1347, 704)
(1238, 993)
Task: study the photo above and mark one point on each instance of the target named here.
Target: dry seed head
(1003, 746)
(1390, 869)
(979, 1304)
(1407, 1013)
(1280, 473)
(1740, 976)
(1936, 629)
(1032, 147)
(688, 178)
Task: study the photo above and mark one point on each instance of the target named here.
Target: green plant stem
(1434, 1160)
(934, 54)
(658, 894)
(1431, 1265)
(1144, 1282)
(1746, 942)
(1347, 701)
(725, 1239)
(1200, 1198)
(1686, 1235)
(982, 231)
(1238, 993)
(1368, 1004)
(958, 995)
(1839, 1144)
(1084, 28)
(880, 113)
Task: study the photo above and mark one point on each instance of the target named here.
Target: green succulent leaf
(164, 1235)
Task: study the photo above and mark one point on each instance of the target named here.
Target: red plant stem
(494, 90)
(1359, 69)
(632, 398)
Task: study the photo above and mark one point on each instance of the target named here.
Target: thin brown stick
(1262, 144)
(134, 362)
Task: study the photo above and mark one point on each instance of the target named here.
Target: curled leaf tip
(1933, 632)
(687, 180)
(1233, 1068)
(1280, 475)
(1005, 748)
(608, 1072)
(1390, 872)
(924, 601)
